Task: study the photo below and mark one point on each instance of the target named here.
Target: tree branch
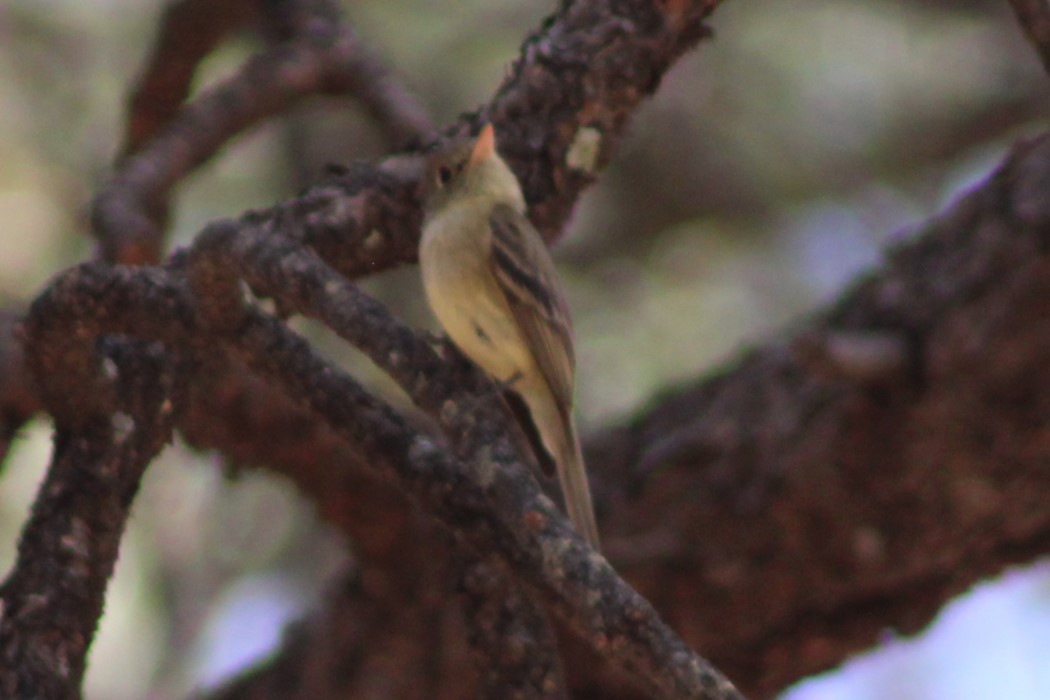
(510, 634)
(822, 472)
(496, 506)
(319, 57)
(52, 599)
(858, 475)
(576, 83)
(189, 30)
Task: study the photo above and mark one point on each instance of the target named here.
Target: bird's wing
(525, 273)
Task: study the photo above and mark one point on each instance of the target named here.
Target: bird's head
(471, 169)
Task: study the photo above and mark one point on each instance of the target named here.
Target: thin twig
(395, 110)
(359, 74)
(129, 215)
(187, 33)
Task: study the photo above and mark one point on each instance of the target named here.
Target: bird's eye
(444, 174)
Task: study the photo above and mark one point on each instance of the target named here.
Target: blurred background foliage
(772, 167)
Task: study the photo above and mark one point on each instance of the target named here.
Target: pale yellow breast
(463, 293)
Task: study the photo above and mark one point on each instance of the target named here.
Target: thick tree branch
(853, 478)
(52, 599)
(495, 506)
(893, 453)
(856, 477)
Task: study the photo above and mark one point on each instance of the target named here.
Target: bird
(490, 281)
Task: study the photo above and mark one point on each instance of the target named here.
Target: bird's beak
(485, 146)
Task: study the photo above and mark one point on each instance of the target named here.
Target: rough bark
(851, 476)
(856, 474)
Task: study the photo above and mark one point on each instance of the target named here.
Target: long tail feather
(577, 492)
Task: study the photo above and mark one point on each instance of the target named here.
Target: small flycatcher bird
(491, 283)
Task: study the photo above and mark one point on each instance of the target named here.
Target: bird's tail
(572, 473)
(554, 428)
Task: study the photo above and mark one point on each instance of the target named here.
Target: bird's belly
(471, 309)
(484, 331)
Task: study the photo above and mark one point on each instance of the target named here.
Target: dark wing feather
(525, 272)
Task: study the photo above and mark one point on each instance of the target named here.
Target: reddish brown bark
(848, 478)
